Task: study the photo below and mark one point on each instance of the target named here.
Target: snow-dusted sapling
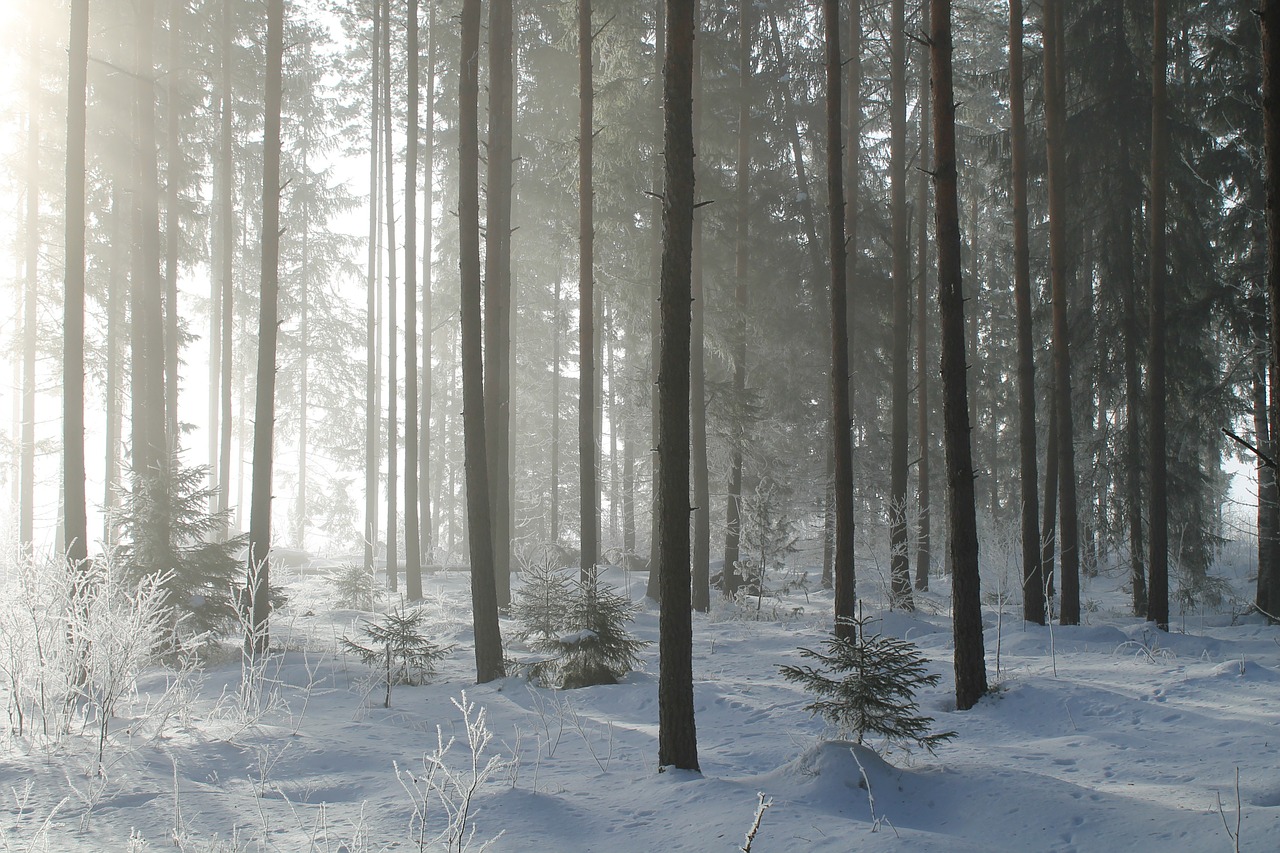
(582, 627)
(865, 684)
(398, 649)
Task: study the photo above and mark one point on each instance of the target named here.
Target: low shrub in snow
(397, 649)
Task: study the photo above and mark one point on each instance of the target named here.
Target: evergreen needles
(398, 648)
(865, 685)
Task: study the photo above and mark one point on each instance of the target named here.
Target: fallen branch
(1266, 460)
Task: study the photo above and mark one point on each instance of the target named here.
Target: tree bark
(172, 227)
(923, 370)
(1270, 18)
(701, 548)
(1055, 120)
(653, 588)
(589, 510)
(265, 403)
(970, 665)
(393, 417)
(497, 289)
(75, 524)
(1266, 477)
(840, 407)
(899, 559)
(412, 540)
(372, 383)
(484, 594)
(31, 295)
(554, 520)
(1158, 510)
(1032, 577)
(426, 526)
(226, 248)
(677, 733)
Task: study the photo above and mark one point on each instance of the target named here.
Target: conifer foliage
(398, 648)
(865, 684)
(581, 627)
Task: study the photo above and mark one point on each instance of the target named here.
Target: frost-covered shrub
(866, 685)
(541, 603)
(353, 587)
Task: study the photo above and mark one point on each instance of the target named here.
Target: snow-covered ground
(1104, 737)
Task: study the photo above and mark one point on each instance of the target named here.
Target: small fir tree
(581, 627)
(866, 684)
(398, 649)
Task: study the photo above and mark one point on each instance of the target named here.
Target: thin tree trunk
(588, 495)
(1049, 525)
(412, 540)
(653, 589)
(1032, 577)
(497, 290)
(304, 333)
(173, 227)
(970, 665)
(1133, 425)
(840, 393)
(899, 559)
(1270, 17)
(742, 172)
(393, 417)
(677, 733)
(31, 295)
(372, 383)
(1158, 602)
(264, 414)
(1055, 120)
(113, 413)
(701, 547)
(923, 368)
(484, 598)
(75, 524)
(1266, 475)
(227, 248)
(554, 520)
(425, 523)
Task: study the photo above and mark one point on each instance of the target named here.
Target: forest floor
(1103, 737)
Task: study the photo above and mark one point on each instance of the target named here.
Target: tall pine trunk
(962, 524)
(1158, 594)
(31, 295)
(426, 532)
(840, 391)
(484, 596)
(1270, 603)
(677, 733)
(653, 589)
(75, 524)
(899, 559)
(372, 407)
(923, 369)
(1055, 121)
(701, 546)
(264, 413)
(1032, 578)
(589, 509)
(226, 250)
(412, 540)
(497, 300)
(393, 417)
(172, 226)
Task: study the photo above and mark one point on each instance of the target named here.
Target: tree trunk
(923, 368)
(497, 291)
(1133, 425)
(113, 414)
(653, 588)
(701, 546)
(1158, 601)
(1055, 121)
(677, 733)
(304, 333)
(554, 520)
(372, 384)
(31, 295)
(75, 525)
(899, 560)
(393, 417)
(264, 414)
(970, 666)
(227, 248)
(1270, 604)
(1266, 475)
(172, 227)
(426, 533)
(840, 393)
(733, 507)
(412, 540)
(589, 509)
(1032, 577)
(484, 594)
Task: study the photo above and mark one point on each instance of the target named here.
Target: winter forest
(600, 425)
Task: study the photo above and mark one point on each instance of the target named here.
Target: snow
(1107, 736)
